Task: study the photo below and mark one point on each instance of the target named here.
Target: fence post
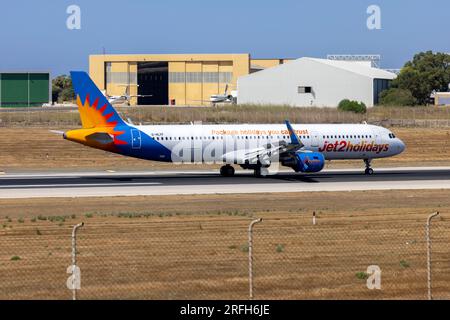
(430, 296)
(250, 255)
(74, 256)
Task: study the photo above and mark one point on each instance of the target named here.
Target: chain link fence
(208, 258)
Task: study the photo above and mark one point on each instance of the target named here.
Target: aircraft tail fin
(94, 108)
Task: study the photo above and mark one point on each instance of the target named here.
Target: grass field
(436, 116)
(187, 247)
(25, 149)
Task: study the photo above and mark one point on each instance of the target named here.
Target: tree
(62, 89)
(397, 97)
(427, 72)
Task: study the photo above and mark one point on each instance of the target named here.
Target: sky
(34, 34)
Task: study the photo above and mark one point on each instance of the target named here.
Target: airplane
(126, 97)
(301, 147)
(223, 98)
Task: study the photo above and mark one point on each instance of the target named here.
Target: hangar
(314, 82)
(172, 79)
(24, 89)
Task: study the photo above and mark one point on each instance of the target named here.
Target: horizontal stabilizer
(100, 137)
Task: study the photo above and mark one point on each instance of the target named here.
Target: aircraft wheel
(369, 171)
(227, 171)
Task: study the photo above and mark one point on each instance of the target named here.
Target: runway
(99, 184)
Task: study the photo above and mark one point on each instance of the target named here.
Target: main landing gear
(369, 170)
(260, 171)
(227, 171)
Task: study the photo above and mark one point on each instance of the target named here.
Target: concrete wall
(279, 85)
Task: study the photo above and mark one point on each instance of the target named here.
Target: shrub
(362, 275)
(15, 258)
(353, 106)
(245, 248)
(397, 97)
(404, 264)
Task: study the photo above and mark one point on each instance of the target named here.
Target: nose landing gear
(369, 170)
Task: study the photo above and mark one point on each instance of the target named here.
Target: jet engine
(306, 162)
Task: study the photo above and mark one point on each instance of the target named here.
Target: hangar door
(153, 83)
(379, 85)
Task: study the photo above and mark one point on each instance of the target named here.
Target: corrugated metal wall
(24, 89)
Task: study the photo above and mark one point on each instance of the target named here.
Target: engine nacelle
(307, 162)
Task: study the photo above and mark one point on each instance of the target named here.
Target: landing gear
(260, 172)
(369, 170)
(227, 171)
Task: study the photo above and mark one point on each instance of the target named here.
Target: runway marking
(129, 190)
(65, 185)
(196, 172)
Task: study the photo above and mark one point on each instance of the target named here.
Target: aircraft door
(136, 139)
(378, 137)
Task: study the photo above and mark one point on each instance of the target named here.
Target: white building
(314, 82)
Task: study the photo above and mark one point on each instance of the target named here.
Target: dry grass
(236, 114)
(39, 149)
(187, 247)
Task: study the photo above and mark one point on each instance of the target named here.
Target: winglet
(294, 138)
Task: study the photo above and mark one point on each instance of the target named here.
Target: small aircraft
(301, 147)
(224, 98)
(126, 97)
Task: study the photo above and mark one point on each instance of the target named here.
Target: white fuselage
(228, 143)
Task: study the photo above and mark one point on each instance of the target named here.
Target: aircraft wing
(265, 153)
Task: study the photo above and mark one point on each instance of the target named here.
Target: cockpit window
(391, 135)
